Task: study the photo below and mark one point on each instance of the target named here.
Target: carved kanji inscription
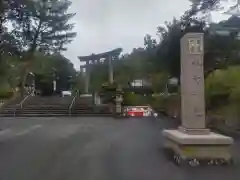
(195, 46)
(197, 62)
(197, 79)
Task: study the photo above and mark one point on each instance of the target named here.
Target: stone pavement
(94, 149)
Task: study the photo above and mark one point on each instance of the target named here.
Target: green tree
(219, 51)
(78, 82)
(159, 81)
(41, 26)
(149, 42)
(223, 94)
(54, 67)
(168, 51)
(8, 44)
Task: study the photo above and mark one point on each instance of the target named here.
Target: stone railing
(72, 103)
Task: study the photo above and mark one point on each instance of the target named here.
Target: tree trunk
(24, 76)
(23, 81)
(29, 59)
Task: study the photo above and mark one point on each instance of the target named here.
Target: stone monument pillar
(192, 139)
(192, 84)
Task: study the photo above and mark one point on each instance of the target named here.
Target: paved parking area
(94, 149)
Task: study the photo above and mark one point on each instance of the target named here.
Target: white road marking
(5, 131)
(68, 131)
(28, 130)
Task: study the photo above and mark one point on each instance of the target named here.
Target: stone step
(98, 110)
(46, 104)
(9, 112)
(12, 106)
(92, 115)
(54, 108)
(48, 100)
(43, 108)
(57, 109)
(8, 109)
(6, 115)
(37, 110)
(57, 115)
(47, 113)
(35, 115)
(86, 108)
(50, 97)
(83, 111)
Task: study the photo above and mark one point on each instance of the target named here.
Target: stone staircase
(34, 106)
(45, 106)
(82, 106)
(40, 106)
(9, 109)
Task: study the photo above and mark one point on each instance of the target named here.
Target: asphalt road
(94, 149)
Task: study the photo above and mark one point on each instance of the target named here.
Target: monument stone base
(210, 146)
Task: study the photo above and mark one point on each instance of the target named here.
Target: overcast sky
(103, 25)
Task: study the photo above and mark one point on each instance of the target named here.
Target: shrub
(219, 86)
(223, 95)
(168, 105)
(132, 99)
(5, 92)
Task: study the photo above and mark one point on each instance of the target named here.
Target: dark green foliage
(6, 92)
(54, 67)
(9, 46)
(149, 42)
(42, 25)
(39, 26)
(222, 87)
(220, 51)
(133, 99)
(108, 92)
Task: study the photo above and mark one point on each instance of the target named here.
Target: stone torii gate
(97, 59)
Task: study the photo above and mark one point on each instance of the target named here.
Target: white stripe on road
(5, 131)
(28, 130)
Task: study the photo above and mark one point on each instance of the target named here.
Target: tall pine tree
(40, 25)
(8, 45)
